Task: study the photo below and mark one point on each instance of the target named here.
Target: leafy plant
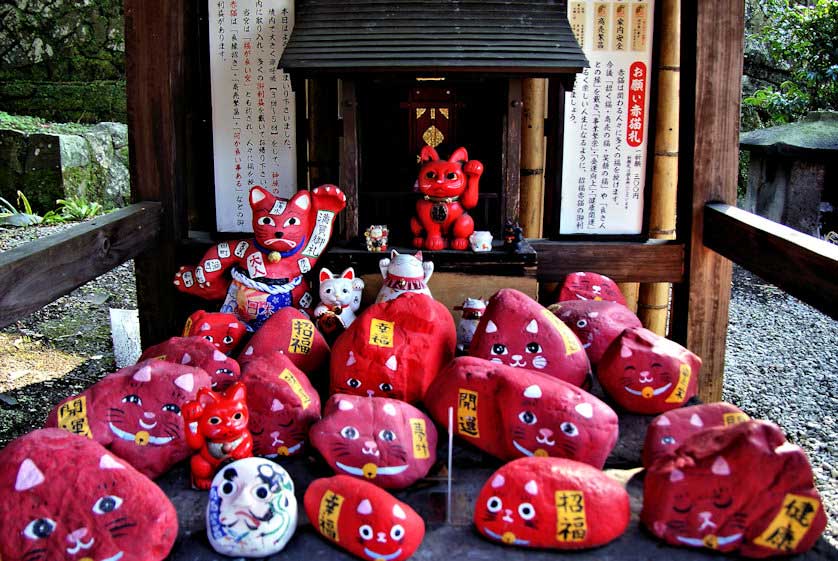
(15, 216)
(78, 208)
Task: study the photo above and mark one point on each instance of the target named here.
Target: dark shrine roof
(510, 37)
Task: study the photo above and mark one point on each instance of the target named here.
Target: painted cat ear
(257, 195)
(676, 476)
(399, 513)
(531, 487)
(206, 396)
(187, 358)
(344, 405)
(218, 356)
(532, 327)
(236, 392)
(351, 359)
(428, 154)
(108, 462)
(498, 481)
(696, 421)
(491, 327)
(625, 352)
(392, 363)
(143, 374)
(418, 255)
(326, 274)
(390, 409)
(276, 405)
(205, 326)
(533, 392)
(185, 382)
(348, 274)
(302, 199)
(393, 254)
(585, 409)
(663, 421)
(459, 155)
(720, 467)
(28, 476)
(365, 507)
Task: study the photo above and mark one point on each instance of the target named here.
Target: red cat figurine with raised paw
(216, 427)
(448, 188)
(363, 519)
(289, 236)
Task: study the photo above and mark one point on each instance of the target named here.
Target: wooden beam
(652, 261)
(802, 265)
(349, 157)
(512, 152)
(36, 273)
(711, 63)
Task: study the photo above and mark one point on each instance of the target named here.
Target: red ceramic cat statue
(551, 503)
(668, 431)
(136, 413)
(517, 331)
(394, 349)
(510, 413)
(289, 236)
(447, 188)
(225, 331)
(385, 441)
(596, 322)
(197, 351)
(590, 286)
(290, 332)
(216, 428)
(363, 519)
(648, 374)
(64, 496)
(282, 404)
(739, 488)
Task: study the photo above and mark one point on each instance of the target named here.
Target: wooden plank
(802, 265)
(511, 202)
(349, 158)
(711, 63)
(652, 261)
(38, 272)
(162, 57)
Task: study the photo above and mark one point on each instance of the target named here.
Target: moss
(86, 182)
(28, 124)
(67, 101)
(42, 187)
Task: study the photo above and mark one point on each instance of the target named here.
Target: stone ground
(782, 361)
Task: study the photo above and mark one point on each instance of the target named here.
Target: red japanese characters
(386, 441)
(266, 271)
(648, 374)
(136, 413)
(225, 331)
(517, 331)
(511, 413)
(394, 349)
(289, 331)
(590, 286)
(551, 503)
(668, 431)
(364, 519)
(447, 189)
(738, 488)
(216, 428)
(64, 496)
(282, 403)
(200, 352)
(596, 322)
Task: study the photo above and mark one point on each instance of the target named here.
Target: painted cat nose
(545, 433)
(370, 444)
(77, 535)
(278, 235)
(148, 414)
(382, 537)
(517, 357)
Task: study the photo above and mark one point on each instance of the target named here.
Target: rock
(197, 351)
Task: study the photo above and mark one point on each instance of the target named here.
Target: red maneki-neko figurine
(448, 188)
(267, 270)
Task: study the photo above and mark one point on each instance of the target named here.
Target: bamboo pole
(630, 292)
(531, 215)
(653, 304)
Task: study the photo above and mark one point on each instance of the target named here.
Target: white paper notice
(253, 110)
(607, 119)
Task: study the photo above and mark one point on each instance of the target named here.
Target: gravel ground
(781, 363)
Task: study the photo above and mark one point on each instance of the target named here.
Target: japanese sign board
(607, 118)
(253, 107)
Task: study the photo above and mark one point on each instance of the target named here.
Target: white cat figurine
(339, 295)
(404, 273)
(473, 309)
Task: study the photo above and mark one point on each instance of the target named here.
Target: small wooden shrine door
(432, 116)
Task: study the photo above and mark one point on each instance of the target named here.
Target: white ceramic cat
(404, 273)
(340, 295)
(472, 309)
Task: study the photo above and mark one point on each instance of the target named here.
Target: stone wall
(63, 60)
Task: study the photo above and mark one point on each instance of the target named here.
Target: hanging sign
(253, 109)
(607, 119)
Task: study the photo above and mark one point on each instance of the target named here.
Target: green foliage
(77, 208)
(804, 41)
(21, 215)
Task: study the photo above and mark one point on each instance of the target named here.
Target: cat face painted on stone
(197, 351)
(596, 323)
(590, 286)
(115, 514)
(252, 510)
(385, 441)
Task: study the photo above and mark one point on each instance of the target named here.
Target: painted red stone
(596, 322)
(291, 332)
(394, 349)
(385, 441)
(648, 374)
(363, 519)
(517, 331)
(510, 413)
(738, 488)
(225, 331)
(136, 413)
(64, 496)
(283, 405)
(669, 430)
(551, 503)
(590, 286)
(197, 351)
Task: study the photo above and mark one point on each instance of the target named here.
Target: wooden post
(532, 157)
(511, 202)
(712, 38)
(653, 304)
(630, 291)
(349, 157)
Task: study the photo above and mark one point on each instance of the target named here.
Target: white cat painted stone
(252, 511)
(339, 295)
(480, 241)
(473, 309)
(404, 273)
